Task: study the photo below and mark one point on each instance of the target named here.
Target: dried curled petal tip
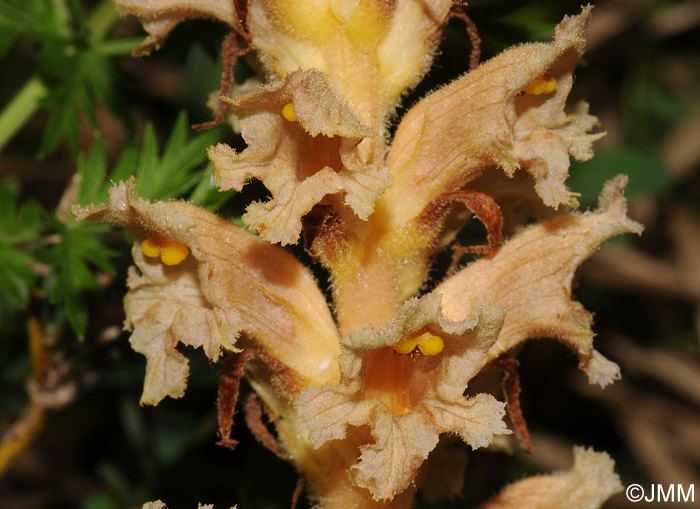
(545, 84)
(289, 113)
(170, 251)
(427, 344)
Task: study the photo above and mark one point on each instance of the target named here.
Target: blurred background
(72, 99)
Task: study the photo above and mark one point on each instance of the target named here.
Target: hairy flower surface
(360, 397)
(586, 486)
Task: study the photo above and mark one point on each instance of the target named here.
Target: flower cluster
(362, 391)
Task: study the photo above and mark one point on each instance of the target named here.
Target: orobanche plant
(359, 392)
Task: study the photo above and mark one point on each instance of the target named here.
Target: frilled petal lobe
(231, 282)
(158, 504)
(300, 160)
(484, 120)
(590, 482)
(531, 276)
(406, 401)
(159, 17)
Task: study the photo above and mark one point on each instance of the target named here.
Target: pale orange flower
(362, 391)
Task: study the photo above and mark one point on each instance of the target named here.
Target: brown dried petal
(254, 411)
(231, 282)
(302, 161)
(516, 198)
(531, 275)
(486, 210)
(590, 482)
(510, 385)
(231, 51)
(159, 17)
(482, 120)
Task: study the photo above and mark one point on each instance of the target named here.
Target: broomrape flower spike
(359, 398)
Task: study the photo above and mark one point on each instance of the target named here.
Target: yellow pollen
(542, 85)
(427, 344)
(405, 346)
(151, 247)
(173, 252)
(288, 112)
(170, 251)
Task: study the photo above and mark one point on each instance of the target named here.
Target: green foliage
(651, 108)
(19, 222)
(77, 248)
(81, 79)
(208, 196)
(20, 229)
(99, 501)
(91, 169)
(70, 250)
(73, 68)
(175, 172)
(179, 169)
(15, 276)
(202, 76)
(647, 173)
(67, 250)
(37, 19)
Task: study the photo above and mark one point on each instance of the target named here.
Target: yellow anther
(288, 112)
(405, 346)
(170, 251)
(151, 247)
(429, 344)
(542, 85)
(173, 252)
